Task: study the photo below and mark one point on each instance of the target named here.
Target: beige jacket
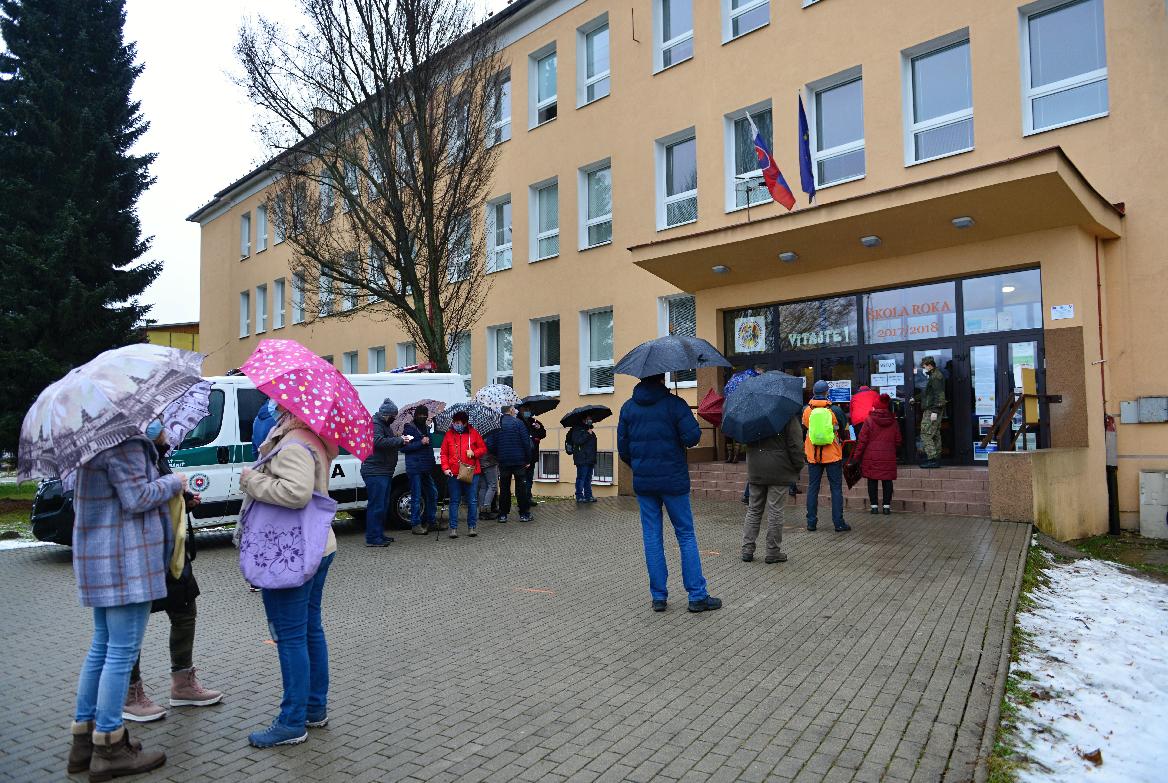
(290, 478)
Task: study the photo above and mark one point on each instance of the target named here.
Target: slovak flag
(775, 183)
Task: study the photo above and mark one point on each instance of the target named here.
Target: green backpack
(821, 427)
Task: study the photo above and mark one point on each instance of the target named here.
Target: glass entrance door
(948, 367)
(987, 396)
(888, 373)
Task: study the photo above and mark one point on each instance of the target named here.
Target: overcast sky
(200, 127)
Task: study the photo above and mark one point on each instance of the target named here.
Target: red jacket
(862, 404)
(454, 446)
(877, 446)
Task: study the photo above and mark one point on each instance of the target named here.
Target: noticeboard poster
(750, 334)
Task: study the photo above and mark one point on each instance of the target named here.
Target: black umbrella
(669, 354)
(577, 416)
(540, 404)
(762, 407)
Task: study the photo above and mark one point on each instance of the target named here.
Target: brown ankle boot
(114, 756)
(81, 751)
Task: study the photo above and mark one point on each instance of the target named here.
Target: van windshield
(208, 429)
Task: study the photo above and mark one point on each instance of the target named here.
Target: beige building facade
(990, 191)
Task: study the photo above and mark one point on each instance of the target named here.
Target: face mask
(154, 429)
(527, 414)
(420, 422)
(588, 422)
(459, 427)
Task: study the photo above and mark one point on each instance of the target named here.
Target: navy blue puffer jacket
(655, 429)
(419, 456)
(512, 443)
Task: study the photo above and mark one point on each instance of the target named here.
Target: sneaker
(793, 490)
(747, 557)
(843, 527)
(472, 533)
(659, 606)
(502, 519)
(811, 526)
(139, 708)
(525, 518)
(317, 721)
(781, 557)
(707, 604)
(875, 510)
(377, 543)
(581, 500)
(589, 500)
(453, 534)
(252, 588)
(887, 510)
(187, 691)
(277, 734)
(418, 530)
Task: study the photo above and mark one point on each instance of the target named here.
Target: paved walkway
(530, 653)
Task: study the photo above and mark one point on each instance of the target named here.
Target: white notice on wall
(1062, 312)
(886, 365)
(889, 390)
(894, 379)
(879, 379)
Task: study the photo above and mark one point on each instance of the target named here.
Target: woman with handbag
(462, 452)
(293, 473)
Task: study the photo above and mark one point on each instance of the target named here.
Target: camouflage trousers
(931, 434)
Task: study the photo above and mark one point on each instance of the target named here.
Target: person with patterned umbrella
(495, 396)
(485, 420)
(405, 414)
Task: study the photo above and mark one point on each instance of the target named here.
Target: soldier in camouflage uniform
(932, 412)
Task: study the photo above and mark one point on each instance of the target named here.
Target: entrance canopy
(1034, 192)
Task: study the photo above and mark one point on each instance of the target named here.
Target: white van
(216, 452)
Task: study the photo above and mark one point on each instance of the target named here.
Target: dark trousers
(182, 640)
(873, 485)
(506, 473)
(529, 478)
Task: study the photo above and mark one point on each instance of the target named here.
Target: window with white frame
(672, 32)
(499, 129)
(499, 234)
(245, 235)
(460, 250)
(328, 197)
(499, 357)
(377, 278)
(278, 295)
(545, 355)
(548, 466)
(261, 308)
(677, 315)
(543, 86)
(545, 228)
(602, 473)
(349, 362)
(244, 313)
(280, 224)
(596, 205)
(677, 180)
(459, 358)
(297, 298)
(261, 228)
(376, 359)
(596, 356)
(325, 295)
(1064, 64)
(745, 185)
(740, 17)
(938, 99)
(349, 290)
(407, 354)
(592, 61)
(352, 189)
(838, 152)
(376, 177)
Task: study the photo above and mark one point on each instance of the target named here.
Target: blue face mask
(527, 414)
(588, 422)
(154, 429)
(459, 427)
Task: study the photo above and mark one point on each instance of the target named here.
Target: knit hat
(885, 401)
(820, 388)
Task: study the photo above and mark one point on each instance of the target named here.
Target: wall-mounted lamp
(962, 222)
(870, 241)
(788, 257)
(720, 269)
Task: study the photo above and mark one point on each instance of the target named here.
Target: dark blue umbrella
(595, 412)
(671, 353)
(762, 406)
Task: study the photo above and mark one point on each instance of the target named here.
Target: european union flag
(806, 174)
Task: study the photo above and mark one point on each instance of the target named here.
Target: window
(545, 228)
(745, 185)
(500, 125)
(407, 355)
(592, 61)
(261, 228)
(839, 130)
(297, 298)
(499, 360)
(207, 430)
(749, 331)
(499, 234)
(596, 205)
(352, 189)
(923, 312)
(823, 323)
(596, 328)
(349, 362)
(325, 294)
(543, 86)
(545, 355)
(281, 222)
(740, 17)
(548, 466)
(459, 266)
(247, 405)
(938, 99)
(677, 172)
(327, 358)
(678, 315)
(376, 359)
(1064, 64)
(602, 474)
(1002, 303)
(672, 32)
(376, 176)
(349, 290)
(245, 235)
(328, 198)
(278, 304)
(377, 278)
(244, 312)
(261, 309)
(459, 358)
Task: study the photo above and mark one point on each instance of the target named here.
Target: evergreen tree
(70, 241)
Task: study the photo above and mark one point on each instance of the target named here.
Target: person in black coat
(581, 444)
(515, 452)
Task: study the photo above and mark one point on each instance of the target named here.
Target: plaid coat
(121, 530)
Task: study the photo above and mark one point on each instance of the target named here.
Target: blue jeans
(294, 622)
(422, 488)
(835, 479)
(377, 488)
(105, 676)
(681, 515)
(584, 481)
(460, 492)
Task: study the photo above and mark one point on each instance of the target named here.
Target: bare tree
(379, 114)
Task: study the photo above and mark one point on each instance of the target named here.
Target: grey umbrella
(762, 406)
(482, 418)
(671, 353)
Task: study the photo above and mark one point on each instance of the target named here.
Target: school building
(989, 191)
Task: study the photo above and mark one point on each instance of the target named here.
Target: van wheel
(399, 505)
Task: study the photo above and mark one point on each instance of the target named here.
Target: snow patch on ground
(1099, 659)
(16, 543)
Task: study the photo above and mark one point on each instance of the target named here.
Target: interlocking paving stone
(530, 653)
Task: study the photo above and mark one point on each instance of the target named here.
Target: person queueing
(876, 452)
(824, 424)
(288, 480)
(377, 473)
(581, 444)
(489, 480)
(419, 470)
(179, 605)
(932, 412)
(261, 425)
(537, 433)
(463, 447)
(514, 450)
(772, 465)
(121, 546)
(653, 433)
